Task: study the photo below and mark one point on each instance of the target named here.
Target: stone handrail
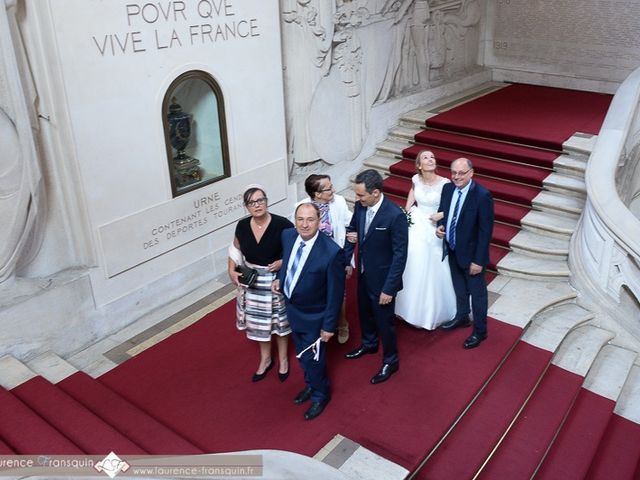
(605, 250)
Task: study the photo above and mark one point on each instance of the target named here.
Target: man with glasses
(467, 226)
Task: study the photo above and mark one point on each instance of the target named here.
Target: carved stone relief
(343, 56)
(21, 186)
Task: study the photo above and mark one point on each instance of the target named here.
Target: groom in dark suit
(380, 228)
(467, 226)
(312, 281)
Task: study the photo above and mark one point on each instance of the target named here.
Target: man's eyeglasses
(460, 174)
(256, 202)
(328, 189)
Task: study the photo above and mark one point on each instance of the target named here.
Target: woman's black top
(270, 247)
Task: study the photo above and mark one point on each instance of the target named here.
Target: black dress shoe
(316, 409)
(283, 376)
(259, 376)
(474, 340)
(303, 396)
(456, 323)
(360, 351)
(385, 372)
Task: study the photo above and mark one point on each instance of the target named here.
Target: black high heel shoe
(283, 376)
(260, 376)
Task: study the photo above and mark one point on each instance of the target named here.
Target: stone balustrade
(605, 250)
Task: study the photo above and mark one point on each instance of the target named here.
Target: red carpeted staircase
(509, 409)
(521, 423)
(80, 415)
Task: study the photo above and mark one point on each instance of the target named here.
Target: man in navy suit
(467, 226)
(312, 280)
(380, 228)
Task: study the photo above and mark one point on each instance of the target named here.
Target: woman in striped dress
(260, 312)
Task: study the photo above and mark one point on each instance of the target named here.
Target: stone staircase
(565, 385)
(534, 293)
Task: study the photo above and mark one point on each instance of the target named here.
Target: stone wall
(583, 44)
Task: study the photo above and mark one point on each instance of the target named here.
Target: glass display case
(195, 132)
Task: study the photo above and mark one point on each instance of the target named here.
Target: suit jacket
(317, 295)
(382, 252)
(474, 225)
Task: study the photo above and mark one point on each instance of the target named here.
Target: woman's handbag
(247, 276)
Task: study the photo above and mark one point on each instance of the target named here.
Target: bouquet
(408, 215)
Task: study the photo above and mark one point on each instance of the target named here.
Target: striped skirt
(259, 311)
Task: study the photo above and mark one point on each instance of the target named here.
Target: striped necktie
(454, 220)
(325, 219)
(291, 273)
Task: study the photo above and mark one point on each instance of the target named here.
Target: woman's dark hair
(312, 184)
(249, 193)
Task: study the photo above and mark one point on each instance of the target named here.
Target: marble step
(628, 405)
(13, 372)
(534, 268)
(546, 223)
(416, 118)
(403, 133)
(558, 203)
(392, 148)
(580, 143)
(580, 348)
(51, 366)
(549, 328)
(565, 184)
(520, 300)
(380, 163)
(571, 165)
(609, 372)
(537, 245)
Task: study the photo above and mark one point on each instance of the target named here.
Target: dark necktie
(291, 273)
(454, 220)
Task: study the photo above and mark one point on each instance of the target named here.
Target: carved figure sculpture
(411, 34)
(309, 29)
(20, 178)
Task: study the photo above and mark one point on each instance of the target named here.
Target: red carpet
(5, 449)
(542, 116)
(487, 148)
(85, 429)
(479, 430)
(526, 443)
(509, 192)
(619, 452)
(481, 165)
(203, 376)
(132, 422)
(571, 454)
(26, 433)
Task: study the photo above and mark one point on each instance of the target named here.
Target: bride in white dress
(427, 299)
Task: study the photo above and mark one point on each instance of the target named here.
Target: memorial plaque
(592, 34)
(144, 235)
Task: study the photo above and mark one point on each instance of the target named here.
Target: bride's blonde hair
(418, 158)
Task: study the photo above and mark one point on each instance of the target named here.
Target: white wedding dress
(427, 298)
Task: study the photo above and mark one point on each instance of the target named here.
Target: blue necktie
(452, 227)
(292, 271)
